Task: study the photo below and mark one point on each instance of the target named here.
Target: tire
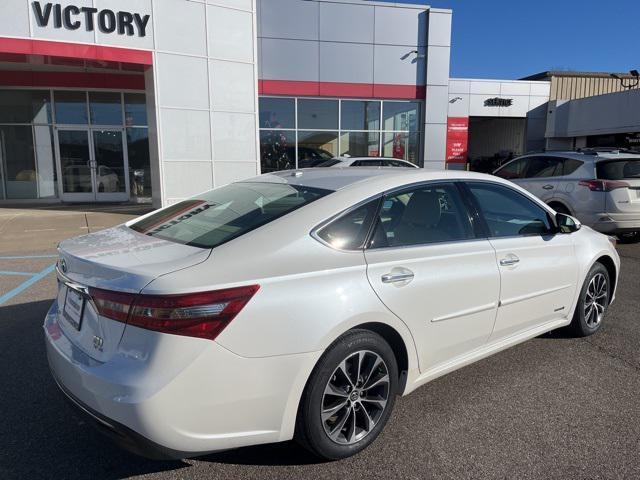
(333, 418)
(629, 237)
(592, 303)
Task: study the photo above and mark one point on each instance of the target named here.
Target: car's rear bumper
(165, 396)
(120, 434)
(616, 224)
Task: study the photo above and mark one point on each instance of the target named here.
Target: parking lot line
(27, 283)
(7, 272)
(27, 257)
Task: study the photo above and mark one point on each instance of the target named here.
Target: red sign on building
(457, 139)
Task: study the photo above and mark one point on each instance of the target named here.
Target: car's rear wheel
(593, 302)
(349, 396)
(629, 237)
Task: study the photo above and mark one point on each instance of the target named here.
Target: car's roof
(339, 178)
(586, 154)
(345, 159)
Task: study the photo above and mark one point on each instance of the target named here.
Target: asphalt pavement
(554, 407)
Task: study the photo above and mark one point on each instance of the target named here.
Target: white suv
(599, 187)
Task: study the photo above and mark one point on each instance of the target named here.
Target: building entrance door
(92, 164)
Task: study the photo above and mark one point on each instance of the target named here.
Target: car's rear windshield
(225, 213)
(329, 163)
(618, 169)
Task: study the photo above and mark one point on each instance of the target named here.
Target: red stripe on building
(75, 50)
(341, 89)
(25, 78)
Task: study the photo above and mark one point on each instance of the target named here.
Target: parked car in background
(600, 187)
(299, 304)
(367, 162)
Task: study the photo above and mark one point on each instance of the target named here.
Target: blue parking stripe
(27, 257)
(6, 272)
(26, 284)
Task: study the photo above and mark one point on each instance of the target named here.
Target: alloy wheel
(595, 300)
(355, 397)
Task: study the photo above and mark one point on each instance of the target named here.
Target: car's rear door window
(543, 167)
(429, 213)
(220, 215)
(624, 168)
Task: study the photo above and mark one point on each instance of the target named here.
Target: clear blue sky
(514, 38)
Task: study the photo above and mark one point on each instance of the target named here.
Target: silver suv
(599, 187)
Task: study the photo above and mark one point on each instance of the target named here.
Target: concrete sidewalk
(38, 229)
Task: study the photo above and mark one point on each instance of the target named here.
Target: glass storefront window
(135, 109)
(317, 114)
(18, 160)
(139, 162)
(400, 116)
(105, 108)
(332, 127)
(402, 145)
(360, 115)
(277, 112)
(360, 144)
(71, 107)
(316, 147)
(25, 106)
(277, 150)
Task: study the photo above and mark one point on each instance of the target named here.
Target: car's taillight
(603, 185)
(114, 305)
(201, 314)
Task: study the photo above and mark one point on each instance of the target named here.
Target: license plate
(73, 308)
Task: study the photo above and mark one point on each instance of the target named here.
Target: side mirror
(567, 223)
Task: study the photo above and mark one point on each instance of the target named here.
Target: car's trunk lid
(117, 259)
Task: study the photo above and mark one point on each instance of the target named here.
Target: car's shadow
(42, 436)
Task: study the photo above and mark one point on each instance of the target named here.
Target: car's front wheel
(349, 396)
(592, 303)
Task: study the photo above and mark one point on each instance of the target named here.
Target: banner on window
(457, 139)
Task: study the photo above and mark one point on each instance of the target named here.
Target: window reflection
(316, 147)
(318, 114)
(105, 108)
(135, 109)
(360, 115)
(139, 162)
(25, 106)
(277, 112)
(401, 145)
(400, 116)
(71, 107)
(277, 150)
(16, 149)
(360, 144)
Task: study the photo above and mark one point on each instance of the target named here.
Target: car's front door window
(509, 213)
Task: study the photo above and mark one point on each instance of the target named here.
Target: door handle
(548, 187)
(405, 276)
(510, 259)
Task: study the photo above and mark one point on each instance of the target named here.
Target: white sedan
(367, 162)
(299, 304)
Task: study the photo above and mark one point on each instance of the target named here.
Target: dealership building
(157, 100)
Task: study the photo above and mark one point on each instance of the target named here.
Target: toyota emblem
(63, 265)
